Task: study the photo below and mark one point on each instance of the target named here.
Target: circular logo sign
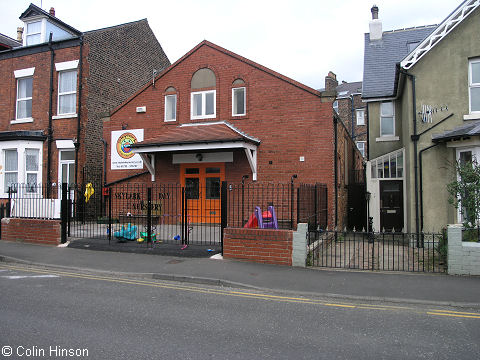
(123, 145)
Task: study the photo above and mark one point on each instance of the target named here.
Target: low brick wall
(258, 245)
(36, 231)
(463, 257)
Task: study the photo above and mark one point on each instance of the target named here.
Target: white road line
(15, 277)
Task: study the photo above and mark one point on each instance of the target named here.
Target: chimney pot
(20, 34)
(52, 11)
(374, 11)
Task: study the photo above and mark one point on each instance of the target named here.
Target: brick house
(56, 84)
(215, 111)
(350, 108)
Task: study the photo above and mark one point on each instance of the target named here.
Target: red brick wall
(34, 231)
(290, 119)
(258, 245)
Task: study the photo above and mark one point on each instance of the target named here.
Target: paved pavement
(391, 286)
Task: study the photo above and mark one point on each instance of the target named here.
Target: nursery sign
(122, 156)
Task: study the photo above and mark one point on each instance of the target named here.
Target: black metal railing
(378, 251)
(31, 201)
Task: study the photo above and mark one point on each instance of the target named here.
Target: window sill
(170, 121)
(387, 138)
(203, 117)
(64, 116)
(21, 121)
(474, 116)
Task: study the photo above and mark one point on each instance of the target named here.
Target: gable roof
(447, 25)
(213, 132)
(381, 57)
(34, 10)
(344, 90)
(228, 53)
(8, 42)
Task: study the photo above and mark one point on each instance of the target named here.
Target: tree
(465, 195)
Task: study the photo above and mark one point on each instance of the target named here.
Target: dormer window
(34, 33)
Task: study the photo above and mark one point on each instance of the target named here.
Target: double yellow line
(243, 294)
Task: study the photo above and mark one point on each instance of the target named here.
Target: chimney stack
(52, 11)
(375, 25)
(20, 34)
(331, 82)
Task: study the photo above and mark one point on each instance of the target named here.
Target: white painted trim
(207, 157)
(252, 160)
(65, 144)
(21, 121)
(387, 138)
(193, 147)
(24, 72)
(165, 106)
(66, 65)
(64, 116)
(149, 161)
(393, 98)
(244, 101)
(472, 116)
(472, 142)
(204, 95)
(439, 33)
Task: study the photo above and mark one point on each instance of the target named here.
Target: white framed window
(24, 98)
(360, 115)
(474, 85)
(31, 170)
(171, 107)
(238, 101)
(67, 92)
(203, 104)
(361, 147)
(21, 161)
(335, 106)
(388, 166)
(387, 119)
(33, 33)
(11, 169)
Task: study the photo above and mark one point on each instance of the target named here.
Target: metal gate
(378, 251)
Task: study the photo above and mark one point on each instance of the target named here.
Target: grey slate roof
(8, 41)
(465, 130)
(381, 57)
(350, 88)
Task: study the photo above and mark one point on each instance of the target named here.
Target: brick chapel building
(214, 111)
(57, 82)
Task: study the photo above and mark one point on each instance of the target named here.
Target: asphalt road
(45, 313)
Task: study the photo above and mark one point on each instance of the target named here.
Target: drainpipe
(335, 122)
(79, 114)
(105, 145)
(353, 116)
(421, 182)
(415, 138)
(50, 105)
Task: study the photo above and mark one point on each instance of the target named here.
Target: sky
(302, 39)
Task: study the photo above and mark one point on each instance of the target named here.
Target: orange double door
(202, 184)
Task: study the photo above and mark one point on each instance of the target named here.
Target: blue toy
(129, 233)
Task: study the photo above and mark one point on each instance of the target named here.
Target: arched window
(239, 97)
(170, 104)
(203, 103)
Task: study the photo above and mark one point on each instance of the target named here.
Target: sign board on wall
(122, 157)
